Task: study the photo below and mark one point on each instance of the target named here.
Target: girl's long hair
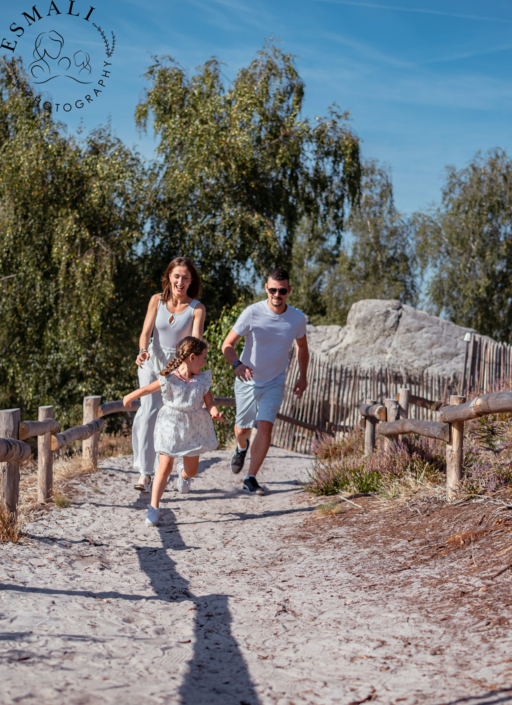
(186, 347)
(194, 290)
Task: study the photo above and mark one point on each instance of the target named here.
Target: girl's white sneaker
(183, 484)
(153, 516)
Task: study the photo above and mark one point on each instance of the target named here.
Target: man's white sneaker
(153, 516)
(183, 484)
(144, 483)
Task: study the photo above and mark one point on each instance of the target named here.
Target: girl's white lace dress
(184, 426)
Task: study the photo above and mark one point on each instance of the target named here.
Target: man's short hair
(279, 275)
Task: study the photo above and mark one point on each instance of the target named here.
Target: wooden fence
(14, 449)
(331, 403)
(335, 391)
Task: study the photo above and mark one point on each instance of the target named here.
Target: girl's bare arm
(142, 392)
(214, 412)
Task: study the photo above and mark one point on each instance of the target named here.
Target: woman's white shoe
(144, 483)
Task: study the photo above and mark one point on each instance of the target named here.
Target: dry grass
(61, 500)
(409, 484)
(115, 445)
(69, 467)
(329, 509)
(10, 525)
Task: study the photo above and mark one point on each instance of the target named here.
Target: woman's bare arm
(198, 321)
(147, 329)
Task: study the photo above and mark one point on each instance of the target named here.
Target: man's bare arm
(302, 360)
(228, 349)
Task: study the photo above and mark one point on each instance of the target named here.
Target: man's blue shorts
(255, 404)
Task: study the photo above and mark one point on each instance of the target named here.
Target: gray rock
(386, 332)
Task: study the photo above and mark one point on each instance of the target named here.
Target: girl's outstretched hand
(216, 415)
(127, 402)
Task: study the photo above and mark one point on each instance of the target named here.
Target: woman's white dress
(184, 426)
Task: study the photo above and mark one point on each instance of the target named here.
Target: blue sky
(428, 83)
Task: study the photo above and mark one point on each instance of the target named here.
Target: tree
(71, 217)
(377, 263)
(466, 244)
(239, 168)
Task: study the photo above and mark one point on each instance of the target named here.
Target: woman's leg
(191, 466)
(160, 481)
(144, 423)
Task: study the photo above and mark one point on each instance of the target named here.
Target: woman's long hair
(194, 290)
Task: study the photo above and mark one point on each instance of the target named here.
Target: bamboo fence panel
(336, 391)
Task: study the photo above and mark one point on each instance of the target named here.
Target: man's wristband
(142, 350)
(235, 364)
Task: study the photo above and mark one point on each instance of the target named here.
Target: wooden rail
(51, 439)
(449, 429)
(430, 429)
(17, 451)
(28, 429)
(423, 403)
(77, 433)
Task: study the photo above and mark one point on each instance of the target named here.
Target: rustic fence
(331, 403)
(336, 391)
(14, 449)
(391, 420)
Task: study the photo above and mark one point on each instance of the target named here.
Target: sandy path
(226, 603)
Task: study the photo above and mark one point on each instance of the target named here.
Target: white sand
(222, 605)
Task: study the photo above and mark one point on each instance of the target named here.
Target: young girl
(183, 427)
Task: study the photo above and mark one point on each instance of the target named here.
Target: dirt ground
(238, 600)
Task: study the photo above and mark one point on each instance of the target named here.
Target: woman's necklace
(172, 319)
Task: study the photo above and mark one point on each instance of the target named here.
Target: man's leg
(269, 402)
(242, 435)
(260, 446)
(246, 407)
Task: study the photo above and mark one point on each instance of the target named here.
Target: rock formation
(380, 333)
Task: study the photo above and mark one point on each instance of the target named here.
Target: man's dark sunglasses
(282, 291)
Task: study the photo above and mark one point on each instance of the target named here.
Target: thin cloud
(395, 8)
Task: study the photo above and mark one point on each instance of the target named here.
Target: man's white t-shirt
(268, 339)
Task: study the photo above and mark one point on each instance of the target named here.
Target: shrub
(340, 465)
(222, 372)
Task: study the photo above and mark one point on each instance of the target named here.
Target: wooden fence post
(10, 472)
(403, 403)
(90, 446)
(392, 414)
(44, 459)
(369, 431)
(454, 452)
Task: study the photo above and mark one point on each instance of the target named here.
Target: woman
(171, 316)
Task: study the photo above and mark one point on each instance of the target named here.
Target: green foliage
(466, 244)
(378, 263)
(240, 168)
(222, 372)
(71, 217)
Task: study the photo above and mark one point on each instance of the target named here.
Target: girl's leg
(191, 466)
(160, 481)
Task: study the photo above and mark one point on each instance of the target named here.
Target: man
(269, 327)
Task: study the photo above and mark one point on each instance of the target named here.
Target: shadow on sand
(217, 673)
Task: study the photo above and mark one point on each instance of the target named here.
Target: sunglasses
(282, 291)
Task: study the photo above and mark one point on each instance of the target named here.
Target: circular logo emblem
(67, 54)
